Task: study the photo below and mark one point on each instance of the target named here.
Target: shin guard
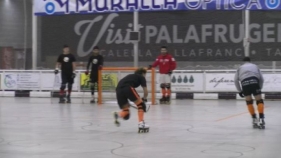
(260, 105)
(251, 108)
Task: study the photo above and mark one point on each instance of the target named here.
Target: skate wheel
(262, 127)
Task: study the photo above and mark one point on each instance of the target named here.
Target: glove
(100, 67)
(56, 71)
(170, 73)
(87, 72)
(73, 75)
(144, 100)
(241, 94)
(149, 67)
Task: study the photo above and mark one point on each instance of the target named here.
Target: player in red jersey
(166, 64)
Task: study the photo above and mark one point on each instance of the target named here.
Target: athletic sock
(140, 113)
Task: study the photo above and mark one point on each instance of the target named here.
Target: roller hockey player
(126, 90)
(166, 64)
(66, 62)
(251, 81)
(96, 62)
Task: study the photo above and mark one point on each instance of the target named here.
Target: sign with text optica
(50, 7)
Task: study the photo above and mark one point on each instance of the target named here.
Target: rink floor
(41, 128)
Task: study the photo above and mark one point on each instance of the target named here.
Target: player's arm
(236, 81)
(73, 64)
(173, 63)
(144, 87)
(155, 64)
(89, 63)
(101, 62)
(58, 64)
(261, 79)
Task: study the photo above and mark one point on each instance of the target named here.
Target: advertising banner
(49, 81)
(109, 82)
(50, 7)
(224, 82)
(200, 38)
(220, 82)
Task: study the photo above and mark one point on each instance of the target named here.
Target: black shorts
(251, 86)
(94, 78)
(125, 93)
(67, 78)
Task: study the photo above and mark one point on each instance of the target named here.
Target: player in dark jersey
(126, 90)
(249, 81)
(96, 62)
(66, 61)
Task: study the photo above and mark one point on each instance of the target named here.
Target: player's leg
(69, 87)
(168, 87)
(163, 87)
(260, 104)
(134, 97)
(93, 85)
(124, 105)
(62, 88)
(247, 90)
(94, 80)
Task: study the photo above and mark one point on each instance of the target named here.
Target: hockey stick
(53, 88)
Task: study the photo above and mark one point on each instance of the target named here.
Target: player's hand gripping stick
(241, 95)
(87, 72)
(73, 75)
(56, 71)
(170, 73)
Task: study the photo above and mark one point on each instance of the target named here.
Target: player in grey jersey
(251, 80)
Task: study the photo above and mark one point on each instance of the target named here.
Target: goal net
(109, 78)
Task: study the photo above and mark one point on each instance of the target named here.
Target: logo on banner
(218, 81)
(9, 81)
(184, 79)
(50, 8)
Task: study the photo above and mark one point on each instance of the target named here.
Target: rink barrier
(186, 84)
(108, 96)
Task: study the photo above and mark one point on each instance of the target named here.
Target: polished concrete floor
(41, 128)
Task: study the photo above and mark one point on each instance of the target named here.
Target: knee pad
(251, 102)
(127, 117)
(260, 102)
(63, 86)
(168, 86)
(162, 85)
(142, 106)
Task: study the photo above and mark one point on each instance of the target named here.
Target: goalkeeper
(96, 63)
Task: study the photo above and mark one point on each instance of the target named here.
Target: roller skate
(168, 101)
(256, 123)
(68, 100)
(261, 123)
(115, 116)
(93, 100)
(62, 100)
(162, 100)
(143, 128)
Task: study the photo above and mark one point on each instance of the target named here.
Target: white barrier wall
(182, 80)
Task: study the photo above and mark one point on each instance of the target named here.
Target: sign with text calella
(189, 36)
